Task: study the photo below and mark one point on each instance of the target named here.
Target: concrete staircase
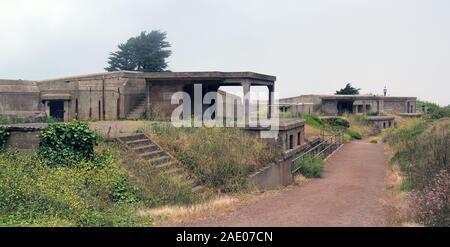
(139, 109)
(157, 157)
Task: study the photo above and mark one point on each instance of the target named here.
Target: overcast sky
(311, 46)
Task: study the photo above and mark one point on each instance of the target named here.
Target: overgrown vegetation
(422, 152)
(310, 167)
(218, 157)
(155, 187)
(434, 111)
(10, 120)
(35, 194)
(354, 126)
(374, 140)
(67, 143)
(3, 138)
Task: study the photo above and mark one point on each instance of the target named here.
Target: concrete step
(159, 160)
(145, 148)
(139, 143)
(166, 165)
(153, 154)
(128, 139)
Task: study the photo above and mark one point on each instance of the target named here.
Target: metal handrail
(333, 140)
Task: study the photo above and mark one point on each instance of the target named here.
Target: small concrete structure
(290, 137)
(23, 137)
(331, 105)
(291, 140)
(382, 122)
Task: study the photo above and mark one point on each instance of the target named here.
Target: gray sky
(311, 46)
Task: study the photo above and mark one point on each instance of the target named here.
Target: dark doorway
(344, 107)
(57, 110)
(291, 141)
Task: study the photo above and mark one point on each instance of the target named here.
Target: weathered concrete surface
(23, 137)
(329, 104)
(349, 194)
(273, 176)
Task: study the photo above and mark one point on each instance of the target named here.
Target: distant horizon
(312, 47)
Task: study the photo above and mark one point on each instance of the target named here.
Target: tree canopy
(348, 90)
(146, 52)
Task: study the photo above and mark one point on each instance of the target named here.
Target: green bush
(315, 122)
(67, 143)
(354, 134)
(337, 122)
(122, 191)
(310, 167)
(35, 194)
(406, 185)
(3, 138)
(373, 140)
(434, 111)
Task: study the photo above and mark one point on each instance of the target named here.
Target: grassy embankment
(220, 158)
(420, 150)
(114, 186)
(356, 126)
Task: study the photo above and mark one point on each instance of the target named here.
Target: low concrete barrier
(23, 137)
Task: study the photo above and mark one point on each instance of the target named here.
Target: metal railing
(330, 141)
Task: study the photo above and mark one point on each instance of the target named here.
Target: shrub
(373, 140)
(315, 121)
(434, 110)
(122, 191)
(337, 122)
(406, 185)
(354, 134)
(310, 167)
(432, 204)
(35, 194)
(3, 138)
(422, 152)
(67, 143)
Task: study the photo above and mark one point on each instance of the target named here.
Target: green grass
(421, 149)
(315, 122)
(374, 140)
(35, 194)
(354, 134)
(434, 111)
(310, 167)
(406, 185)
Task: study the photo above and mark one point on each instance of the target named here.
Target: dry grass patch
(220, 158)
(172, 215)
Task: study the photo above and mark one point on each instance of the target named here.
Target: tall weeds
(219, 157)
(422, 151)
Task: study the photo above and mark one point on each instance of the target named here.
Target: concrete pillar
(47, 108)
(147, 93)
(66, 111)
(246, 88)
(270, 102)
(378, 107)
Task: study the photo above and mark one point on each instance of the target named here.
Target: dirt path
(349, 194)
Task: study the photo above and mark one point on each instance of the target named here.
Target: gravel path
(349, 194)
